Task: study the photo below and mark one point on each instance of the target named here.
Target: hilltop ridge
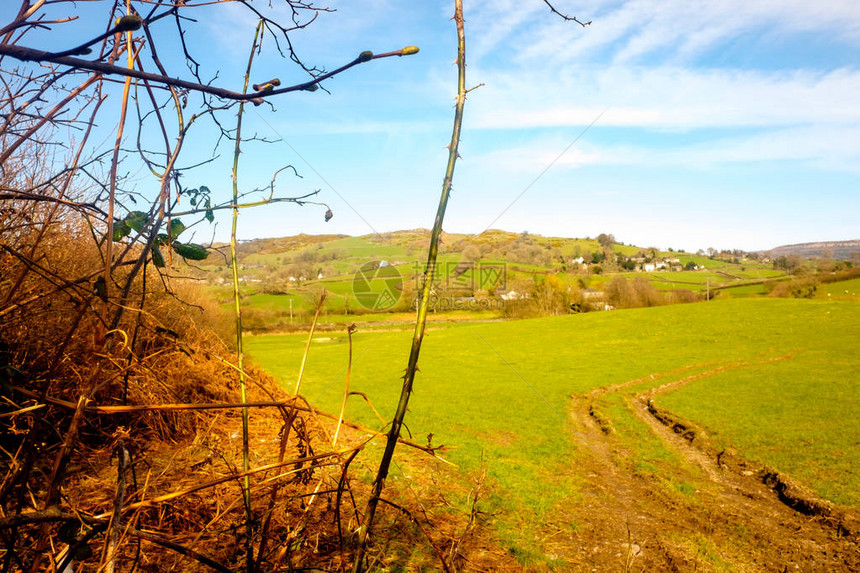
(823, 249)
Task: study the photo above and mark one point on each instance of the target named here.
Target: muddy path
(657, 497)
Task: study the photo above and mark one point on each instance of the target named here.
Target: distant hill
(280, 244)
(282, 278)
(841, 250)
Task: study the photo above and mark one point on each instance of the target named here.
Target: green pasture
(569, 246)
(364, 248)
(798, 415)
(745, 290)
(843, 290)
(500, 392)
(341, 295)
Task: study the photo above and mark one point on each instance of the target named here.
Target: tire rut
(732, 521)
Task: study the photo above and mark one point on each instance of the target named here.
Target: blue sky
(726, 124)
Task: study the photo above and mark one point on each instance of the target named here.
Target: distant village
(646, 264)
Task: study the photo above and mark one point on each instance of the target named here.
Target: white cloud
(490, 22)
(667, 97)
(536, 156)
(831, 148)
(635, 29)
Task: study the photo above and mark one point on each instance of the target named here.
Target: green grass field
(842, 290)
(500, 392)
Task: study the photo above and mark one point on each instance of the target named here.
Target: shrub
(801, 287)
(639, 292)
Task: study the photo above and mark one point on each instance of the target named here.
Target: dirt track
(726, 519)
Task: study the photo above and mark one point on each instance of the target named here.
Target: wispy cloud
(632, 30)
(667, 97)
(830, 148)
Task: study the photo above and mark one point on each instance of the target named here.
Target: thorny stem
(421, 321)
(565, 17)
(112, 538)
(308, 343)
(350, 329)
(129, 47)
(240, 358)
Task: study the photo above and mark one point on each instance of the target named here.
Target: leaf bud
(128, 23)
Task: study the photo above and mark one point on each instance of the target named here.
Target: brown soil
(733, 521)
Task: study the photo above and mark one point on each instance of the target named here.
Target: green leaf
(100, 287)
(128, 23)
(175, 228)
(136, 220)
(210, 216)
(162, 239)
(68, 532)
(190, 251)
(10, 375)
(120, 230)
(83, 553)
(157, 257)
(204, 190)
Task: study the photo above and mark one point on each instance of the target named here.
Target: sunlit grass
(499, 393)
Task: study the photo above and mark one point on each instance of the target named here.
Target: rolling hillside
(283, 278)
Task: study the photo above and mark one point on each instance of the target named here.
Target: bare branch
(33, 55)
(564, 16)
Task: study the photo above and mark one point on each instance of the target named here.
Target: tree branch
(33, 55)
(564, 16)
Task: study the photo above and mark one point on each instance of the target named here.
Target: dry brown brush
(121, 431)
(97, 467)
(124, 451)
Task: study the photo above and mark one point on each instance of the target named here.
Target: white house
(512, 295)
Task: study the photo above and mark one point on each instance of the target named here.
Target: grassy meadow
(500, 393)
